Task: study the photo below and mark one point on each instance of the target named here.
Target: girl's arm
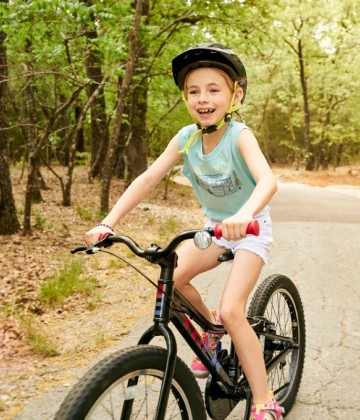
(266, 186)
(138, 189)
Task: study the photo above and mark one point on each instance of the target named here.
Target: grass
(67, 282)
(169, 227)
(38, 340)
(150, 219)
(171, 223)
(84, 213)
(40, 221)
(100, 339)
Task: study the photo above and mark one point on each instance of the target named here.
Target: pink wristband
(107, 226)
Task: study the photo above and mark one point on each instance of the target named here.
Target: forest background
(90, 82)
(87, 100)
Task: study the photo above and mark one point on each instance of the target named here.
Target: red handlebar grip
(252, 229)
(104, 236)
(218, 231)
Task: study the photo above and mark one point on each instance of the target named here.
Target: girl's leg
(192, 262)
(242, 278)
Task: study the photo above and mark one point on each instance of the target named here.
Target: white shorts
(259, 245)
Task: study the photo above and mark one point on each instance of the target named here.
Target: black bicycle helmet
(209, 55)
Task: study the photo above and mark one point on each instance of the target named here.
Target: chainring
(218, 403)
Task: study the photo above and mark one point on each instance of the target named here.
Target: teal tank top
(221, 179)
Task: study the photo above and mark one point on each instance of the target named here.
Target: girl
(234, 184)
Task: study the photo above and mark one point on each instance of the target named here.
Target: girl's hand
(94, 234)
(234, 227)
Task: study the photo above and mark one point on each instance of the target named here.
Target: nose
(203, 96)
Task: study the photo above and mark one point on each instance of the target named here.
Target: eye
(193, 92)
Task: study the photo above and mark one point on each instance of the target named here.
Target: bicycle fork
(161, 327)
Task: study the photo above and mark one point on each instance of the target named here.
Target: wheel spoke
(127, 386)
(280, 311)
(277, 299)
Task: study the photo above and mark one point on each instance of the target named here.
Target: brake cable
(178, 307)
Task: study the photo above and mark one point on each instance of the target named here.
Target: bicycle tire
(278, 300)
(104, 390)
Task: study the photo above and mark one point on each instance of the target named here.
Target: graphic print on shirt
(219, 185)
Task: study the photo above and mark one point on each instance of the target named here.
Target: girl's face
(208, 92)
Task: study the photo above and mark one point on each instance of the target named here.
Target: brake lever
(103, 241)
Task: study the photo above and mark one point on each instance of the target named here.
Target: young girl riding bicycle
(234, 185)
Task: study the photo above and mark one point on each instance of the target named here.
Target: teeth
(205, 111)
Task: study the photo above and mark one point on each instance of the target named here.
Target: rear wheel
(126, 385)
(278, 300)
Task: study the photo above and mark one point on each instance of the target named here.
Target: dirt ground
(83, 325)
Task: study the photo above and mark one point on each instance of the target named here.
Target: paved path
(317, 244)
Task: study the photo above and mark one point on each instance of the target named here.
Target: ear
(239, 94)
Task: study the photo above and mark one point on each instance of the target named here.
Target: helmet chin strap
(203, 130)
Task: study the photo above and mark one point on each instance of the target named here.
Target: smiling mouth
(205, 111)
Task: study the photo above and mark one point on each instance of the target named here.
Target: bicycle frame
(171, 306)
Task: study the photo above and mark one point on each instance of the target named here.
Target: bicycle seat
(226, 256)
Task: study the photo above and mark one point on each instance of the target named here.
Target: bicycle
(147, 381)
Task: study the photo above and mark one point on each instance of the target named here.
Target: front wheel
(278, 300)
(126, 385)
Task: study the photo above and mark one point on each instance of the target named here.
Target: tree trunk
(33, 192)
(324, 141)
(136, 157)
(80, 138)
(99, 132)
(120, 106)
(9, 222)
(31, 131)
(29, 194)
(137, 142)
(308, 146)
(120, 158)
(136, 161)
(338, 149)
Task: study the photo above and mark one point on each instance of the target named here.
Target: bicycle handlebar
(154, 252)
(252, 229)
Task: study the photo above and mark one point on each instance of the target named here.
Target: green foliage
(82, 158)
(67, 282)
(46, 39)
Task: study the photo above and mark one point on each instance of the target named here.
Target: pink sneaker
(270, 411)
(198, 369)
